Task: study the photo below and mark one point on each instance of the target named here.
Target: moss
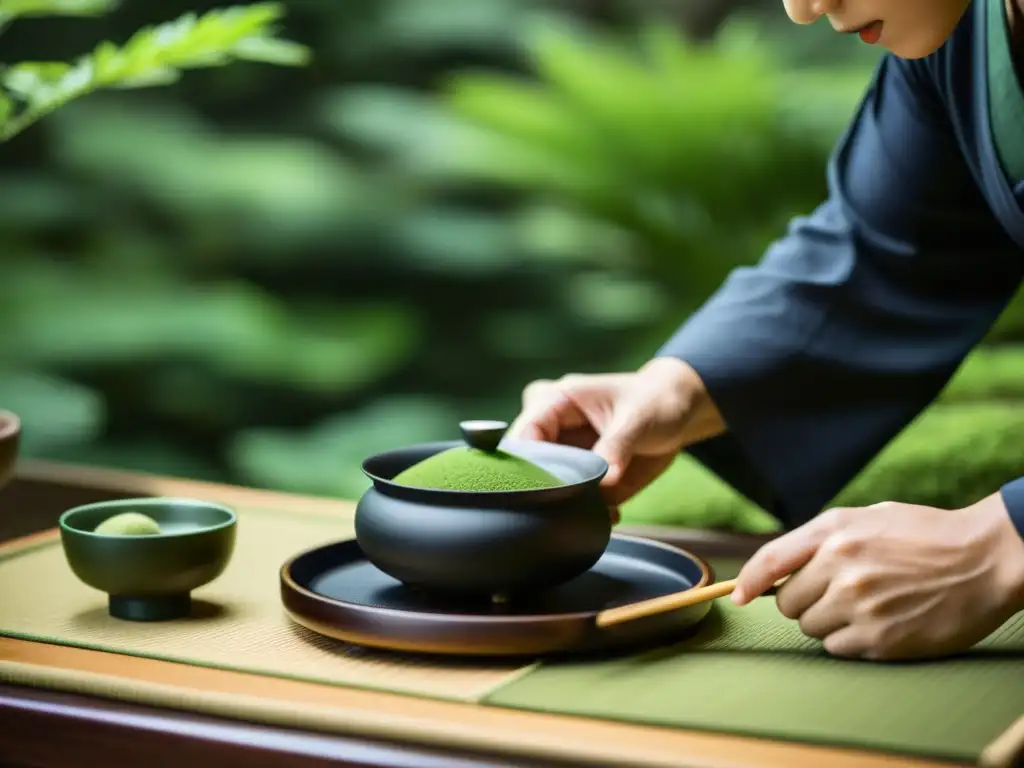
(691, 496)
(128, 524)
(989, 373)
(1010, 325)
(953, 455)
(470, 469)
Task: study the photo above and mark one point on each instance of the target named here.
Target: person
(797, 372)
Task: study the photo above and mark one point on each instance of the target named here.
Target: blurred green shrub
(263, 275)
(680, 147)
(201, 274)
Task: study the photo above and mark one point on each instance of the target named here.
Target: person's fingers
(825, 616)
(805, 587)
(850, 642)
(618, 440)
(822, 621)
(580, 437)
(780, 558)
(546, 413)
(535, 395)
(616, 515)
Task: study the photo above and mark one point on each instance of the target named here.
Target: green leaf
(271, 51)
(153, 77)
(6, 108)
(153, 56)
(34, 80)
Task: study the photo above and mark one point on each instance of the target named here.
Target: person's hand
(895, 581)
(638, 422)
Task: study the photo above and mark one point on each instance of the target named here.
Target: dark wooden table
(48, 728)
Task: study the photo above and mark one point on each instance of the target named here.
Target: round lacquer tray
(335, 591)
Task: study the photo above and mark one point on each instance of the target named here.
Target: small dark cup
(150, 578)
(485, 543)
(10, 437)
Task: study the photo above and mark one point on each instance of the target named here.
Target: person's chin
(912, 49)
(915, 46)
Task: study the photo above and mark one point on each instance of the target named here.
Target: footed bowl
(150, 577)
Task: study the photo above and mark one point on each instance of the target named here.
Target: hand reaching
(895, 581)
(638, 422)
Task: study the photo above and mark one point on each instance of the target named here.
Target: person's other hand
(895, 581)
(638, 422)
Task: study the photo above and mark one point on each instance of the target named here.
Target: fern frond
(153, 56)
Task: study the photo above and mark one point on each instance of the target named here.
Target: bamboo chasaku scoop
(672, 602)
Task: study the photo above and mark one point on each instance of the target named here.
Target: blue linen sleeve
(855, 320)
(1013, 498)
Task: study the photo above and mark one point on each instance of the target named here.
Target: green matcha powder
(470, 469)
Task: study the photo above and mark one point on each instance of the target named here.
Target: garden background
(261, 275)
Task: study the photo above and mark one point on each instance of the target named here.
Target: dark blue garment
(854, 321)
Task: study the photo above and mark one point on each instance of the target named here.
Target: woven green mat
(751, 671)
(747, 671)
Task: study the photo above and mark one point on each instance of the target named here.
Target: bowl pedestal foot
(149, 607)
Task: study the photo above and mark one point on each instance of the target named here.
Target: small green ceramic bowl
(150, 578)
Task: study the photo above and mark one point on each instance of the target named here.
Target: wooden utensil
(672, 602)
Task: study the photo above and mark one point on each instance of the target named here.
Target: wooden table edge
(399, 718)
(700, 748)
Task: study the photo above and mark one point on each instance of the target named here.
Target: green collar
(1006, 98)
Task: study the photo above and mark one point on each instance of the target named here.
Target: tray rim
(288, 584)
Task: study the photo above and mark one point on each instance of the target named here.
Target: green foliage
(688, 495)
(990, 374)
(207, 280)
(952, 456)
(153, 56)
(681, 146)
(327, 458)
(1010, 325)
(273, 196)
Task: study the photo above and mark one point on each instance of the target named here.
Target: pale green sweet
(128, 524)
(470, 469)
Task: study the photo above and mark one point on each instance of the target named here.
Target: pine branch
(153, 56)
